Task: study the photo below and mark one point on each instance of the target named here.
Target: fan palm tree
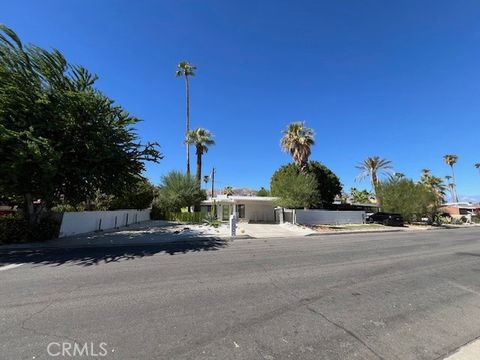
(448, 178)
(186, 69)
(372, 167)
(435, 185)
(451, 160)
(228, 191)
(297, 140)
(201, 139)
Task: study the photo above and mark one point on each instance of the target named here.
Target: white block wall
(74, 223)
(328, 217)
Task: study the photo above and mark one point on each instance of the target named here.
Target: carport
(247, 208)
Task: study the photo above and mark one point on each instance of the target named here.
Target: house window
(241, 211)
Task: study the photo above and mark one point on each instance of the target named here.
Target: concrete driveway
(272, 230)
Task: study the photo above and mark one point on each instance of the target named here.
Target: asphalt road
(413, 295)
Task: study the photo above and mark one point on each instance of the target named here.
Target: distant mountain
(238, 192)
(472, 198)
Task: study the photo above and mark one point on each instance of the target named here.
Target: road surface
(409, 295)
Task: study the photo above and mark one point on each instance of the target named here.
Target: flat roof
(235, 198)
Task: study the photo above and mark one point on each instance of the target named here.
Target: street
(408, 295)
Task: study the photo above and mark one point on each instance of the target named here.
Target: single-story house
(247, 208)
(460, 209)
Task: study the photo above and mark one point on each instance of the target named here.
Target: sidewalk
(146, 233)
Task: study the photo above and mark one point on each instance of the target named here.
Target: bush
(15, 229)
(213, 223)
(293, 189)
(178, 191)
(412, 200)
(139, 196)
(194, 217)
(317, 190)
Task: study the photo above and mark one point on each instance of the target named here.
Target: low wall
(327, 217)
(74, 223)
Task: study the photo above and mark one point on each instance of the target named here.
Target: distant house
(460, 209)
(247, 208)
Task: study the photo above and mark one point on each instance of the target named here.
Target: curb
(40, 246)
(45, 246)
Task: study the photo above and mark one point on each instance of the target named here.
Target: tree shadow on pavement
(96, 255)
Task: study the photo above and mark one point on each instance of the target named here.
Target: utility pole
(213, 182)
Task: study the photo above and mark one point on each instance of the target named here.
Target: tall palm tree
(450, 186)
(228, 191)
(435, 185)
(477, 165)
(186, 69)
(206, 179)
(425, 172)
(201, 139)
(451, 160)
(372, 167)
(297, 140)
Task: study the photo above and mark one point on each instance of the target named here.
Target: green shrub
(15, 229)
(194, 217)
(295, 190)
(412, 200)
(213, 223)
(178, 191)
(157, 212)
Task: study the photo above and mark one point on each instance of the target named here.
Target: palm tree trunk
(199, 166)
(304, 168)
(187, 127)
(455, 184)
(375, 188)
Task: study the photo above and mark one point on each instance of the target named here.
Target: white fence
(327, 217)
(74, 223)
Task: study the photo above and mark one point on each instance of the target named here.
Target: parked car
(388, 219)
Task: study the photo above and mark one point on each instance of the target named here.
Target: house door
(225, 212)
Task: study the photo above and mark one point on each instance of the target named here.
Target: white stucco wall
(327, 217)
(74, 223)
(258, 211)
(254, 210)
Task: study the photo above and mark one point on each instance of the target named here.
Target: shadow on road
(89, 256)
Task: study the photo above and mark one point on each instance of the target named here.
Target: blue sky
(396, 79)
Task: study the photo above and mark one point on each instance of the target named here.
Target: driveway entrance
(272, 230)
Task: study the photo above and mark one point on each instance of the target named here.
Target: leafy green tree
(60, 138)
(263, 192)
(412, 200)
(139, 196)
(327, 184)
(298, 140)
(178, 191)
(201, 139)
(451, 160)
(186, 69)
(372, 167)
(293, 188)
